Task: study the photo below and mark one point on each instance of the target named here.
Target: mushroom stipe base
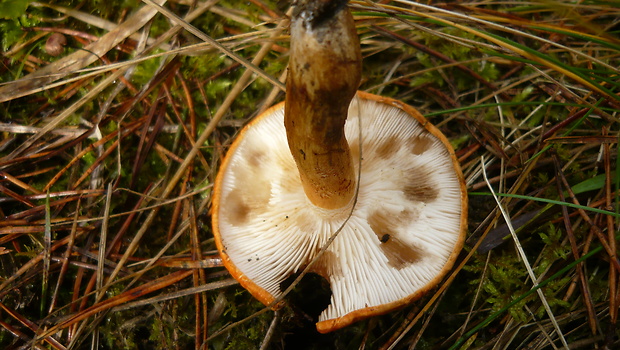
(405, 232)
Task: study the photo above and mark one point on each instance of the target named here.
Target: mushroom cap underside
(405, 231)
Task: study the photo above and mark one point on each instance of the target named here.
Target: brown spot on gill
(389, 147)
(327, 266)
(237, 211)
(420, 143)
(384, 224)
(421, 193)
(256, 158)
(250, 195)
(399, 254)
(306, 224)
(420, 187)
(254, 182)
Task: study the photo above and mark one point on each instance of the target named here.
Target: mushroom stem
(324, 74)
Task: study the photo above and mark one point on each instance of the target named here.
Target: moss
(146, 70)
(202, 67)
(456, 52)
(247, 335)
(12, 32)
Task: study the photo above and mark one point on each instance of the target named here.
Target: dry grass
(109, 150)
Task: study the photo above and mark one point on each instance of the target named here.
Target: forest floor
(116, 115)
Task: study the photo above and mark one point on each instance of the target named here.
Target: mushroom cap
(55, 44)
(404, 234)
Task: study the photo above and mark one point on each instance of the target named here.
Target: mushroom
(55, 44)
(302, 170)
